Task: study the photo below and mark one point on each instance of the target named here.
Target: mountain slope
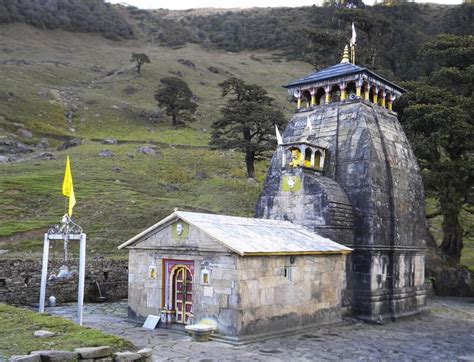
(58, 86)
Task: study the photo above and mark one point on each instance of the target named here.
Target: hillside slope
(58, 86)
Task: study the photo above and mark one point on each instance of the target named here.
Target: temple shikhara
(339, 228)
(345, 170)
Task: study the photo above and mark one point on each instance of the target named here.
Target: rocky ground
(446, 334)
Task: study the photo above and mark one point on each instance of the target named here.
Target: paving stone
(469, 358)
(94, 352)
(440, 336)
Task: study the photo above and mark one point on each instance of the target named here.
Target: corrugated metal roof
(250, 236)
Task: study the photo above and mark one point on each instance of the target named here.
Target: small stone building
(250, 277)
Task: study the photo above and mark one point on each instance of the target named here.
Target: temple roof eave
(360, 73)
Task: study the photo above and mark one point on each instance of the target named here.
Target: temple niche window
(373, 94)
(320, 96)
(351, 91)
(306, 98)
(295, 157)
(335, 93)
(306, 156)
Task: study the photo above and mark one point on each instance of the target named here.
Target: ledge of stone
(25, 358)
(56, 356)
(126, 356)
(94, 352)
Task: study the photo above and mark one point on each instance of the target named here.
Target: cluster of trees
(437, 115)
(388, 37)
(71, 15)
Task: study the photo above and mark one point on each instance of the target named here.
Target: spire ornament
(345, 56)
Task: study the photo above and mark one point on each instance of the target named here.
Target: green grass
(19, 324)
(113, 206)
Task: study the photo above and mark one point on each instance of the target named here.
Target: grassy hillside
(59, 85)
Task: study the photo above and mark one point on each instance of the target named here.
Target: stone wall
(146, 294)
(310, 292)
(20, 280)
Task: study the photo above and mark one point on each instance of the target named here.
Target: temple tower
(345, 169)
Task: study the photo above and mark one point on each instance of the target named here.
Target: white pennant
(308, 124)
(278, 135)
(354, 36)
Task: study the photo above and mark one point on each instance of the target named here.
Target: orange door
(183, 294)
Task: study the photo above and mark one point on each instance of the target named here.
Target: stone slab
(94, 352)
(126, 356)
(145, 352)
(151, 321)
(56, 356)
(200, 327)
(25, 358)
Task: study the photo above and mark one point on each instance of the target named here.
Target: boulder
(43, 334)
(68, 144)
(147, 150)
(43, 143)
(126, 356)
(46, 156)
(22, 148)
(187, 63)
(25, 133)
(213, 70)
(4, 159)
(110, 141)
(93, 352)
(106, 153)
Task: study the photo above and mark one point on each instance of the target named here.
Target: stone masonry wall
(219, 303)
(272, 302)
(20, 280)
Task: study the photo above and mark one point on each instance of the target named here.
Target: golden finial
(345, 56)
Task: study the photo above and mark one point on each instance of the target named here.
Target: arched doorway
(181, 285)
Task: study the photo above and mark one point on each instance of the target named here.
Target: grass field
(19, 324)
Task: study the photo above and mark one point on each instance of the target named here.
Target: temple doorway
(181, 292)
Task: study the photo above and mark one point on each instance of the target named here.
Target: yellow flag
(68, 188)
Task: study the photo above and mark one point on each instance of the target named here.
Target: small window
(287, 272)
(3, 282)
(307, 157)
(317, 160)
(205, 276)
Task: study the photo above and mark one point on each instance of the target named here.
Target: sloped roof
(336, 71)
(328, 73)
(250, 236)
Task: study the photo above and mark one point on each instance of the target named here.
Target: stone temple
(340, 227)
(345, 169)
